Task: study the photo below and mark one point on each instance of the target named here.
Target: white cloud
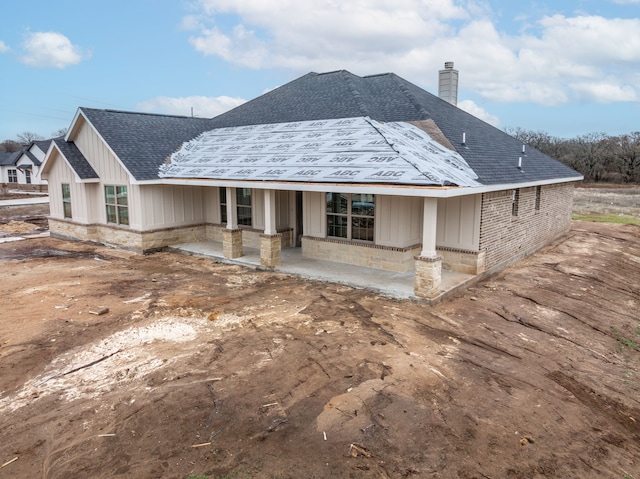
(51, 49)
(553, 60)
(4, 47)
(470, 107)
(605, 92)
(204, 107)
(298, 34)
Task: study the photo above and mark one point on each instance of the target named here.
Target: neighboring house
(30, 161)
(371, 171)
(23, 167)
(8, 168)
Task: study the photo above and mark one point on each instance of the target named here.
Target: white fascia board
(391, 190)
(67, 136)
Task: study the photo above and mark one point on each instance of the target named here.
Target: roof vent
(448, 84)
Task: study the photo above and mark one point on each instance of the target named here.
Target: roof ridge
(357, 96)
(373, 75)
(403, 88)
(333, 72)
(164, 115)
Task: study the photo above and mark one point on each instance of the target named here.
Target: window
(27, 176)
(243, 197)
(350, 216)
(223, 204)
(66, 200)
(538, 195)
(13, 176)
(117, 204)
(515, 200)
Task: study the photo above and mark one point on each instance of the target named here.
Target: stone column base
(270, 250)
(232, 243)
(426, 283)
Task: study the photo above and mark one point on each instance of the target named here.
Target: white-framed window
(243, 197)
(351, 216)
(13, 176)
(27, 176)
(538, 197)
(117, 204)
(66, 200)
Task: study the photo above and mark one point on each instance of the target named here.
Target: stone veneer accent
(428, 276)
(506, 238)
(127, 238)
(270, 250)
(147, 241)
(386, 258)
(250, 236)
(462, 261)
(232, 243)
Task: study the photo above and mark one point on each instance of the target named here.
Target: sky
(567, 68)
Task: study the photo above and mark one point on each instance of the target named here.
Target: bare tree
(628, 156)
(9, 146)
(59, 132)
(28, 136)
(540, 140)
(597, 156)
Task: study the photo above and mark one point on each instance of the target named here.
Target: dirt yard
(201, 369)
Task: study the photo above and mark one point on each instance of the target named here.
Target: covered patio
(398, 285)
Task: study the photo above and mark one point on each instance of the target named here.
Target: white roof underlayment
(349, 150)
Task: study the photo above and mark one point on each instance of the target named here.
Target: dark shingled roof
(144, 141)
(491, 153)
(77, 161)
(8, 159)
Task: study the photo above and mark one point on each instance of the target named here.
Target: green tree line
(597, 156)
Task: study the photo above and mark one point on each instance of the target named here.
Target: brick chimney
(448, 84)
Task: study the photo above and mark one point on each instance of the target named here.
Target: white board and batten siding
(109, 170)
(459, 222)
(84, 196)
(398, 221)
(166, 206)
(105, 164)
(314, 222)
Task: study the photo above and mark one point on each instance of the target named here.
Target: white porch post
(428, 274)
(270, 212)
(232, 209)
(429, 222)
(270, 241)
(232, 235)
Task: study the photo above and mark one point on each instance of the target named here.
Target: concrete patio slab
(398, 285)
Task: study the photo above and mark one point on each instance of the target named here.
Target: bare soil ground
(205, 369)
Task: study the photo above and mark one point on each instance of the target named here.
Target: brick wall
(506, 237)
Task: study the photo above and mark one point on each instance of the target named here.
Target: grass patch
(625, 341)
(607, 218)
